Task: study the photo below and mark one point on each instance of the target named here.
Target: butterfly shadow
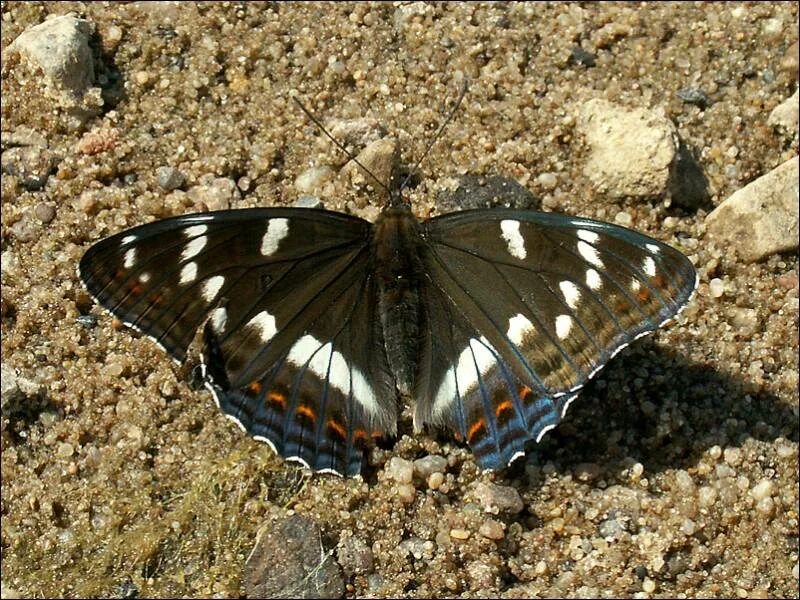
(654, 406)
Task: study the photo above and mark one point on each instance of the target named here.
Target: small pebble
(44, 212)
(65, 450)
(706, 496)
(459, 534)
(492, 530)
(692, 95)
(400, 469)
(498, 498)
(427, 465)
(623, 218)
(733, 456)
(169, 178)
(766, 506)
(763, 489)
(406, 493)
(307, 201)
(716, 287)
(547, 180)
(435, 480)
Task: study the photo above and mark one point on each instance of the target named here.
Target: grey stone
(498, 498)
(426, 465)
(355, 556)
(169, 178)
(473, 191)
(761, 218)
(290, 561)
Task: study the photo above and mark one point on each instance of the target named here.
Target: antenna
(394, 197)
(340, 145)
(438, 133)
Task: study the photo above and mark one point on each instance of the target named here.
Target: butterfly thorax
(396, 249)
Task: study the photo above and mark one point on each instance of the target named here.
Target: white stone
(630, 150)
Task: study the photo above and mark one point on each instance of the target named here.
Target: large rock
(631, 150)
(289, 561)
(761, 218)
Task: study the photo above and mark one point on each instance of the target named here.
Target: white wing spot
(212, 287)
(512, 236)
(265, 323)
(635, 285)
(589, 253)
(309, 350)
(593, 279)
(144, 276)
(194, 247)
(467, 376)
(518, 327)
(653, 248)
(130, 258)
(563, 326)
(339, 374)
(219, 317)
(446, 394)
(588, 236)
(188, 273)
(277, 229)
(195, 231)
(302, 350)
(129, 238)
(649, 266)
(363, 393)
(572, 294)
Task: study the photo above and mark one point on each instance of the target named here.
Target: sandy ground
(674, 475)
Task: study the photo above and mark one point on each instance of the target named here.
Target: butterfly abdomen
(397, 267)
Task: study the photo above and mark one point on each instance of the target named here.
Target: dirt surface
(676, 471)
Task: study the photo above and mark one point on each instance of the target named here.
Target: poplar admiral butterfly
(490, 320)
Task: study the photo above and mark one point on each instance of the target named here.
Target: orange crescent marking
(254, 388)
(475, 428)
(503, 406)
(306, 411)
(524, 392)
(338, 428)
(643, 295)
(277, 398)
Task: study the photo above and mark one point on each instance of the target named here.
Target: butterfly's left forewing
(292, 350)
(538, 303)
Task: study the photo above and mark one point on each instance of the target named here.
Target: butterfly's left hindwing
(537, 305)
(292, 350)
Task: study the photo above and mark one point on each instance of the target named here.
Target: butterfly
(489, 320)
